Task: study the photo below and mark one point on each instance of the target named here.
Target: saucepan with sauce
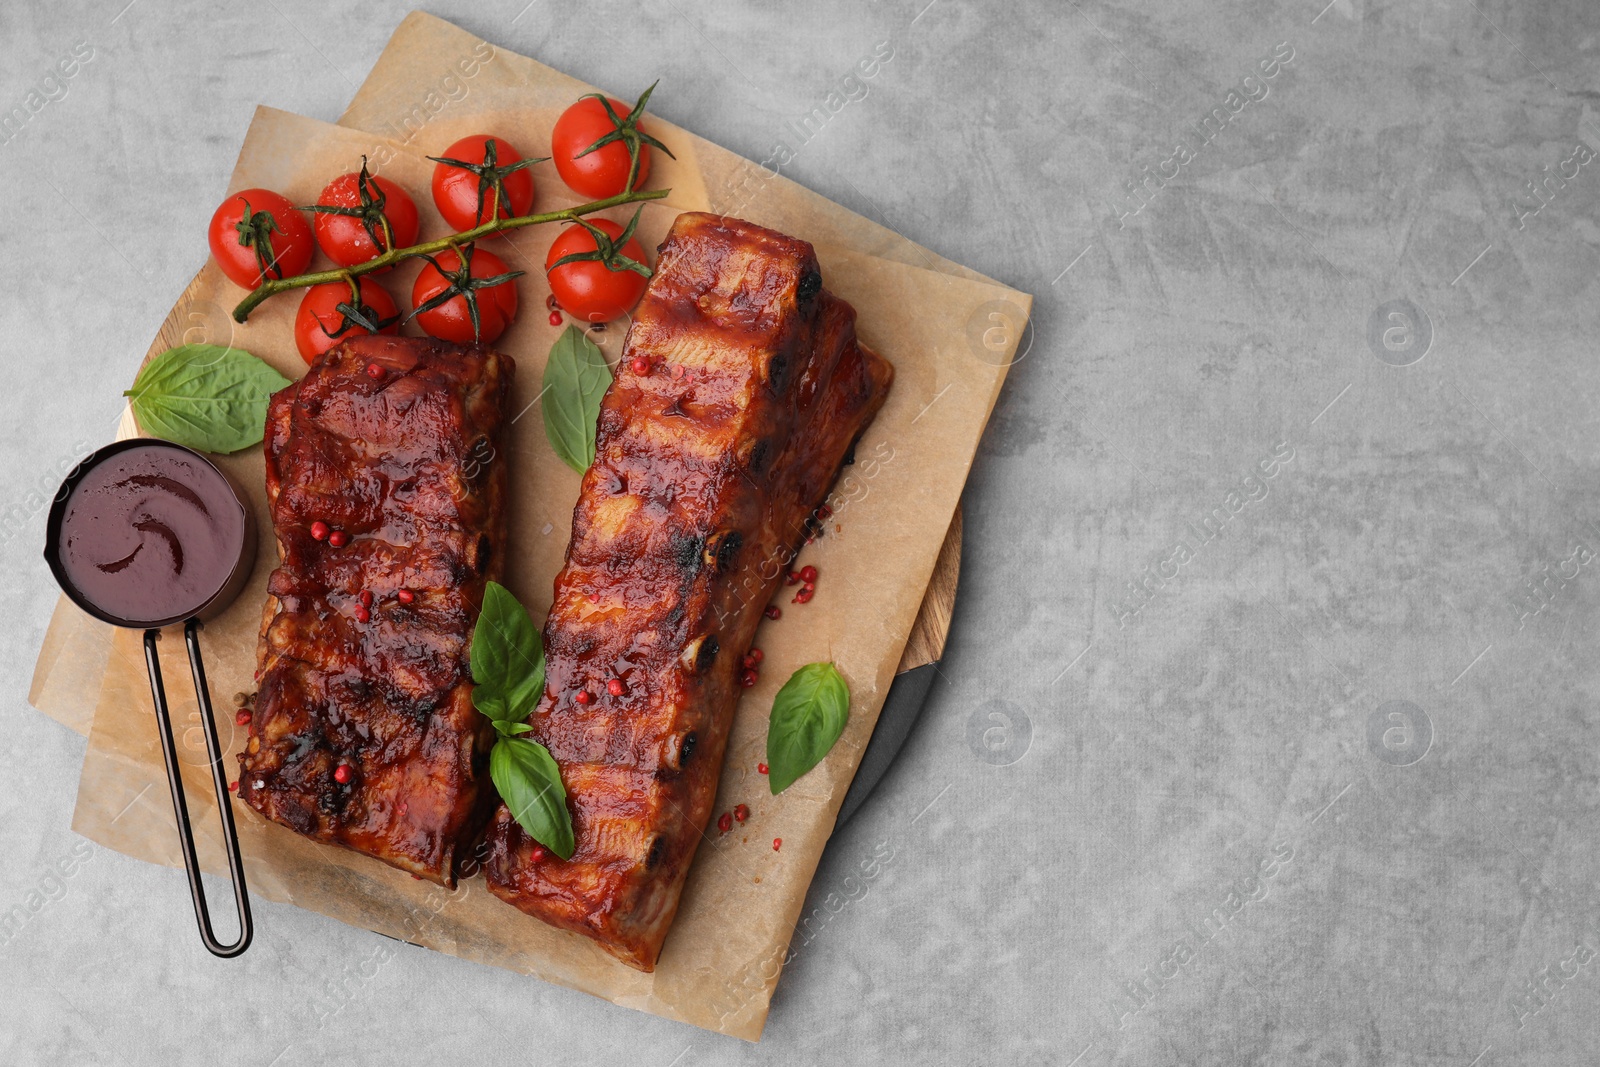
(147, 534)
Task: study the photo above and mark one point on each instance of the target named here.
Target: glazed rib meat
(388, 497)
(707, 471)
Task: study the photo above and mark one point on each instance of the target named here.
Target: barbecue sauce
(151, 533)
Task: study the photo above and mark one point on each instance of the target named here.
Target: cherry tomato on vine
(492, 286)
(360, 203)
(586, 287)
(590, 143)
(464, 180)
(273, 242)
(320, 324)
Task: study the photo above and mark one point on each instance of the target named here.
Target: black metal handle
(180, 807)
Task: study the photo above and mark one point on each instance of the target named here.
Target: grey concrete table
(1268, 730)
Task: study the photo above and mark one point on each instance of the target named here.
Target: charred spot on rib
(304, 744)
(616, 483)
(658, 851)
(850, 455)
(778, 372)
(484, 553)
(417, 710)
(686, 553)
(686, 747)
(810, 285)
(332, 801)
(721, 548)
(698, 655)
(296, 815)
(760, 452)
(728, 549)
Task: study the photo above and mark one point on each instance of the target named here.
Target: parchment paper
(950, 338)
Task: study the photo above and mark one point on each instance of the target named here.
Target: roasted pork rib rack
(708, 467)
(388, 496)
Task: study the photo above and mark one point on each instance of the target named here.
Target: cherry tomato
(344, 237)
(451, 320)
(280, 238)
(456, 189)
(319, 324)
(604, 171)
(588, 289)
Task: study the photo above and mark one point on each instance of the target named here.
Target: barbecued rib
(708, 467)
(392, 443)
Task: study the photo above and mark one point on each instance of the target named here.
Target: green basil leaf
(530, 783)
(808, 715)
(491, 704)
(507, 658)
(506, 728)
(575, 381)
(205, 396)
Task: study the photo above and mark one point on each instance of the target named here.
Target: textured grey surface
(1183, 825)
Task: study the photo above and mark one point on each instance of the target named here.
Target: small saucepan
(146, 534)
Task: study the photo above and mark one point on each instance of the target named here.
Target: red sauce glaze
(702, 482)
(407, 465)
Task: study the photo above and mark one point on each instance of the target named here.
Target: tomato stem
(274, 286)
